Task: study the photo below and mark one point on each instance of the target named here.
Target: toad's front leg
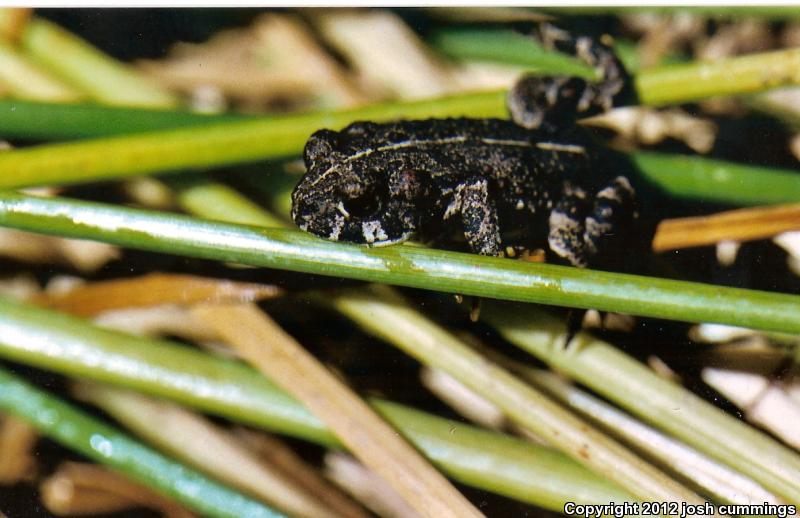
(478, 216)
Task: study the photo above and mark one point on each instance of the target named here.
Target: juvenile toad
(537, 180)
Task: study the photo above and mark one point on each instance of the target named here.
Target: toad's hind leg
(583, 228)
(566, 239)
(478, 215)
(548, 102)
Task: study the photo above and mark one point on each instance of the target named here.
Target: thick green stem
(737, 75)
(100, 442)
(411, 266)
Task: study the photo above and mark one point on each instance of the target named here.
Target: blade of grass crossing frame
(437, 270)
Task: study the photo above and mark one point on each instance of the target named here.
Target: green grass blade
(549, 478)
(488, 460)
(156, 367)
(668, 406)
(685, 82)
(510, 47)
(718, 180)
(102, 443)
(60, 121)
(438, 270)
(212, 145)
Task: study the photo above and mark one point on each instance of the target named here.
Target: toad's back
(492, 148)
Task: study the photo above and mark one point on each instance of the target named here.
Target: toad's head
(349, 193)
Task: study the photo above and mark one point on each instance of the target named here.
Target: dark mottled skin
(537, 180)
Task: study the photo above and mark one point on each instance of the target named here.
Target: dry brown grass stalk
(276, 354)
(151, 290)
(77, 489)
(735, 225)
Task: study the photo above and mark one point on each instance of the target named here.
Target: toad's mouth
(374, 223)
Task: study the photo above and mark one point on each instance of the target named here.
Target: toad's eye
(365, 204)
